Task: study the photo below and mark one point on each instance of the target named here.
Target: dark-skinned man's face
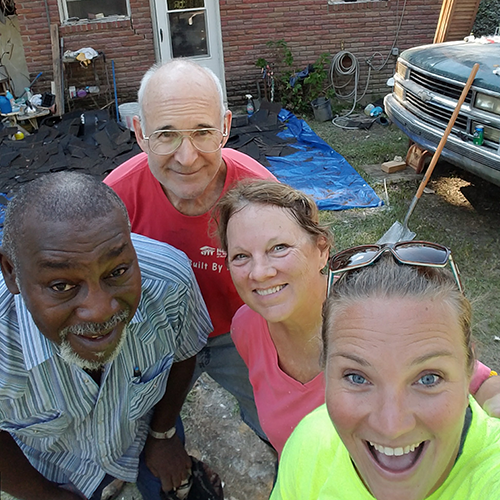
(81, 283)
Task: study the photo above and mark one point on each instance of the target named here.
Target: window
(188, 27)
(93, 9)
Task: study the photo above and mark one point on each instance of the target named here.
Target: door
(191, 29)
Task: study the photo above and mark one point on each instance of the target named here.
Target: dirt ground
(216, 435)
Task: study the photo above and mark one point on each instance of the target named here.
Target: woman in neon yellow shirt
(398, 423)
(276, 252)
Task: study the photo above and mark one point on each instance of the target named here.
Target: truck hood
(454, 60)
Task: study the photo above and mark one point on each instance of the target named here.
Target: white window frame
(63, 13)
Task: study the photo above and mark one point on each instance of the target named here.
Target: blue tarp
(319, 171)
(2, 215)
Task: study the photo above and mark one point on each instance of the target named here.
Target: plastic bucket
(322, 109)
(127, 112)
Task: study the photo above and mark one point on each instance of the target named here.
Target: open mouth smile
(396, 460)
(97, 342)
(96, 336)
(269, 291)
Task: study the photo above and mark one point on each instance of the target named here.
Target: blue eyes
(239, 256)
(243, 256)
(356, 379)
(280, 247)
(429, 380)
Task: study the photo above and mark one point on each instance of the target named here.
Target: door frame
(214, 29)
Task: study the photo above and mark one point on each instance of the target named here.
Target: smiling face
(275, 264)
(181, 100)
(396, 391)
(81, 283)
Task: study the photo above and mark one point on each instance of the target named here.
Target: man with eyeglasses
(170, 188)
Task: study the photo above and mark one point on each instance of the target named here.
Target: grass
(446, 217)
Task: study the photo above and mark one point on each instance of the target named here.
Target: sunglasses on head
(411, 253)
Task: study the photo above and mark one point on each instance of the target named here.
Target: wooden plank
(456, 20)
(56, 67)
(389, 167)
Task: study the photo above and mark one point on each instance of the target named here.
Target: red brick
(310, 27)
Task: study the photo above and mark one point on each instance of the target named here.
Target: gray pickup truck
(427, 85)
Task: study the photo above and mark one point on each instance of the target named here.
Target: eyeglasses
(205, 140)
(412, 253)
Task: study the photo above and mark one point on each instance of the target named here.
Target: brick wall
(128, 42)
(311, 27)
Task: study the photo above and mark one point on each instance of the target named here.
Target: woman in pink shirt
(277, 252)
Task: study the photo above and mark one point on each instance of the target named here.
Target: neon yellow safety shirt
(315, 464)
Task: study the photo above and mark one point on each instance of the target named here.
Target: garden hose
(345, 65)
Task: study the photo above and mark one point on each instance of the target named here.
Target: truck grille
(441, 87)
(436, 114)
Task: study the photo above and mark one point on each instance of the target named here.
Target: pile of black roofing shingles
(96, 147)
(100, 145)
(257, 135)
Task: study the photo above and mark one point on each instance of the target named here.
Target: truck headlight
(488, 103)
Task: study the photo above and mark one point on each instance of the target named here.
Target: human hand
(488, 396)
(168, 460)
(112, 489)
(492, 406)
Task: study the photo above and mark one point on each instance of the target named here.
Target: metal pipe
(114, 88)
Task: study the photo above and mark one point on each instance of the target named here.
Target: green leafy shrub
(487, 18)
(297, 97)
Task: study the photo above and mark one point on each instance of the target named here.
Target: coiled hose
(345, 67)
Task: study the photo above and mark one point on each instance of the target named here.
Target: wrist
(169, 434)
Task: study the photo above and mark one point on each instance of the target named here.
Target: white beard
(70, 357)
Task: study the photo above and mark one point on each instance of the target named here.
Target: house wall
(367, 29)
(128, 42)
(311, 27)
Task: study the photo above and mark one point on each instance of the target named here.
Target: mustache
(96, 328)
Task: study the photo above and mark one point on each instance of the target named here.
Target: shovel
(401, 232)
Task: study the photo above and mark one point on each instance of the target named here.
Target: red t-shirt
(151, 214)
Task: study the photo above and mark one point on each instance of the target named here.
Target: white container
(127, 112)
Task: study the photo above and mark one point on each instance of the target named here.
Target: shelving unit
(95, 75)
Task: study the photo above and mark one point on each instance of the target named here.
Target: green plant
(316, 82)
(295, 94)
(487, 18)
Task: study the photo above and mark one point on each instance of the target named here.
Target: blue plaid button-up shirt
(70, 428)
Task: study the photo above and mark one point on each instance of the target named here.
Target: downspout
(47, 11)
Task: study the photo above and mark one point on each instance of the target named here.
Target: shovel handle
(442, 142)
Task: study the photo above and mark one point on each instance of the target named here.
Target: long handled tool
(401, 232)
